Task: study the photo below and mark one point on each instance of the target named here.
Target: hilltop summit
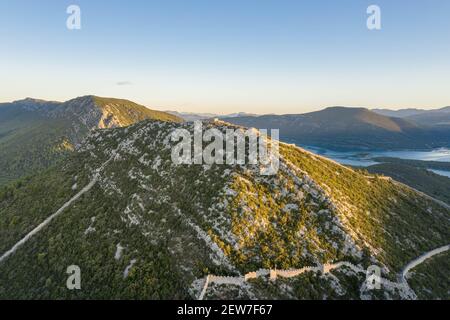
(34, 133)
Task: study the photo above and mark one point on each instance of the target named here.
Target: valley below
(427, 171)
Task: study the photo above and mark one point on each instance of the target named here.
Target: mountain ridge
(342, 128)
(230, 219)
(34, 133)
(434, 117)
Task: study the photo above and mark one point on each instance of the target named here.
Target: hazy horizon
(256, 57)
(174, 108)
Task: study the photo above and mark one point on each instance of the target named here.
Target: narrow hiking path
(42, 225)
(48, 220)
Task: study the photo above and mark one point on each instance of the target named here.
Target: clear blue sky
(227, 56)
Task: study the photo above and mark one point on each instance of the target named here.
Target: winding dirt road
(421, 259)
(48, 220)
(60, 210)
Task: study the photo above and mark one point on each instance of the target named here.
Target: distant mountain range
(191, 116)
(420, 117)
(437, 117)
(399, 113)
(440, 117)
(34, 134)
(341, 128)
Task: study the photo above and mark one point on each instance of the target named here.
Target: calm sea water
(441, 172)
(364, 159)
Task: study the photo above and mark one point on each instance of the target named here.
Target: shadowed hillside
(35, 134)
(340, 128)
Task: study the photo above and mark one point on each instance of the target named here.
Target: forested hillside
(36, 134)
(151, 229)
